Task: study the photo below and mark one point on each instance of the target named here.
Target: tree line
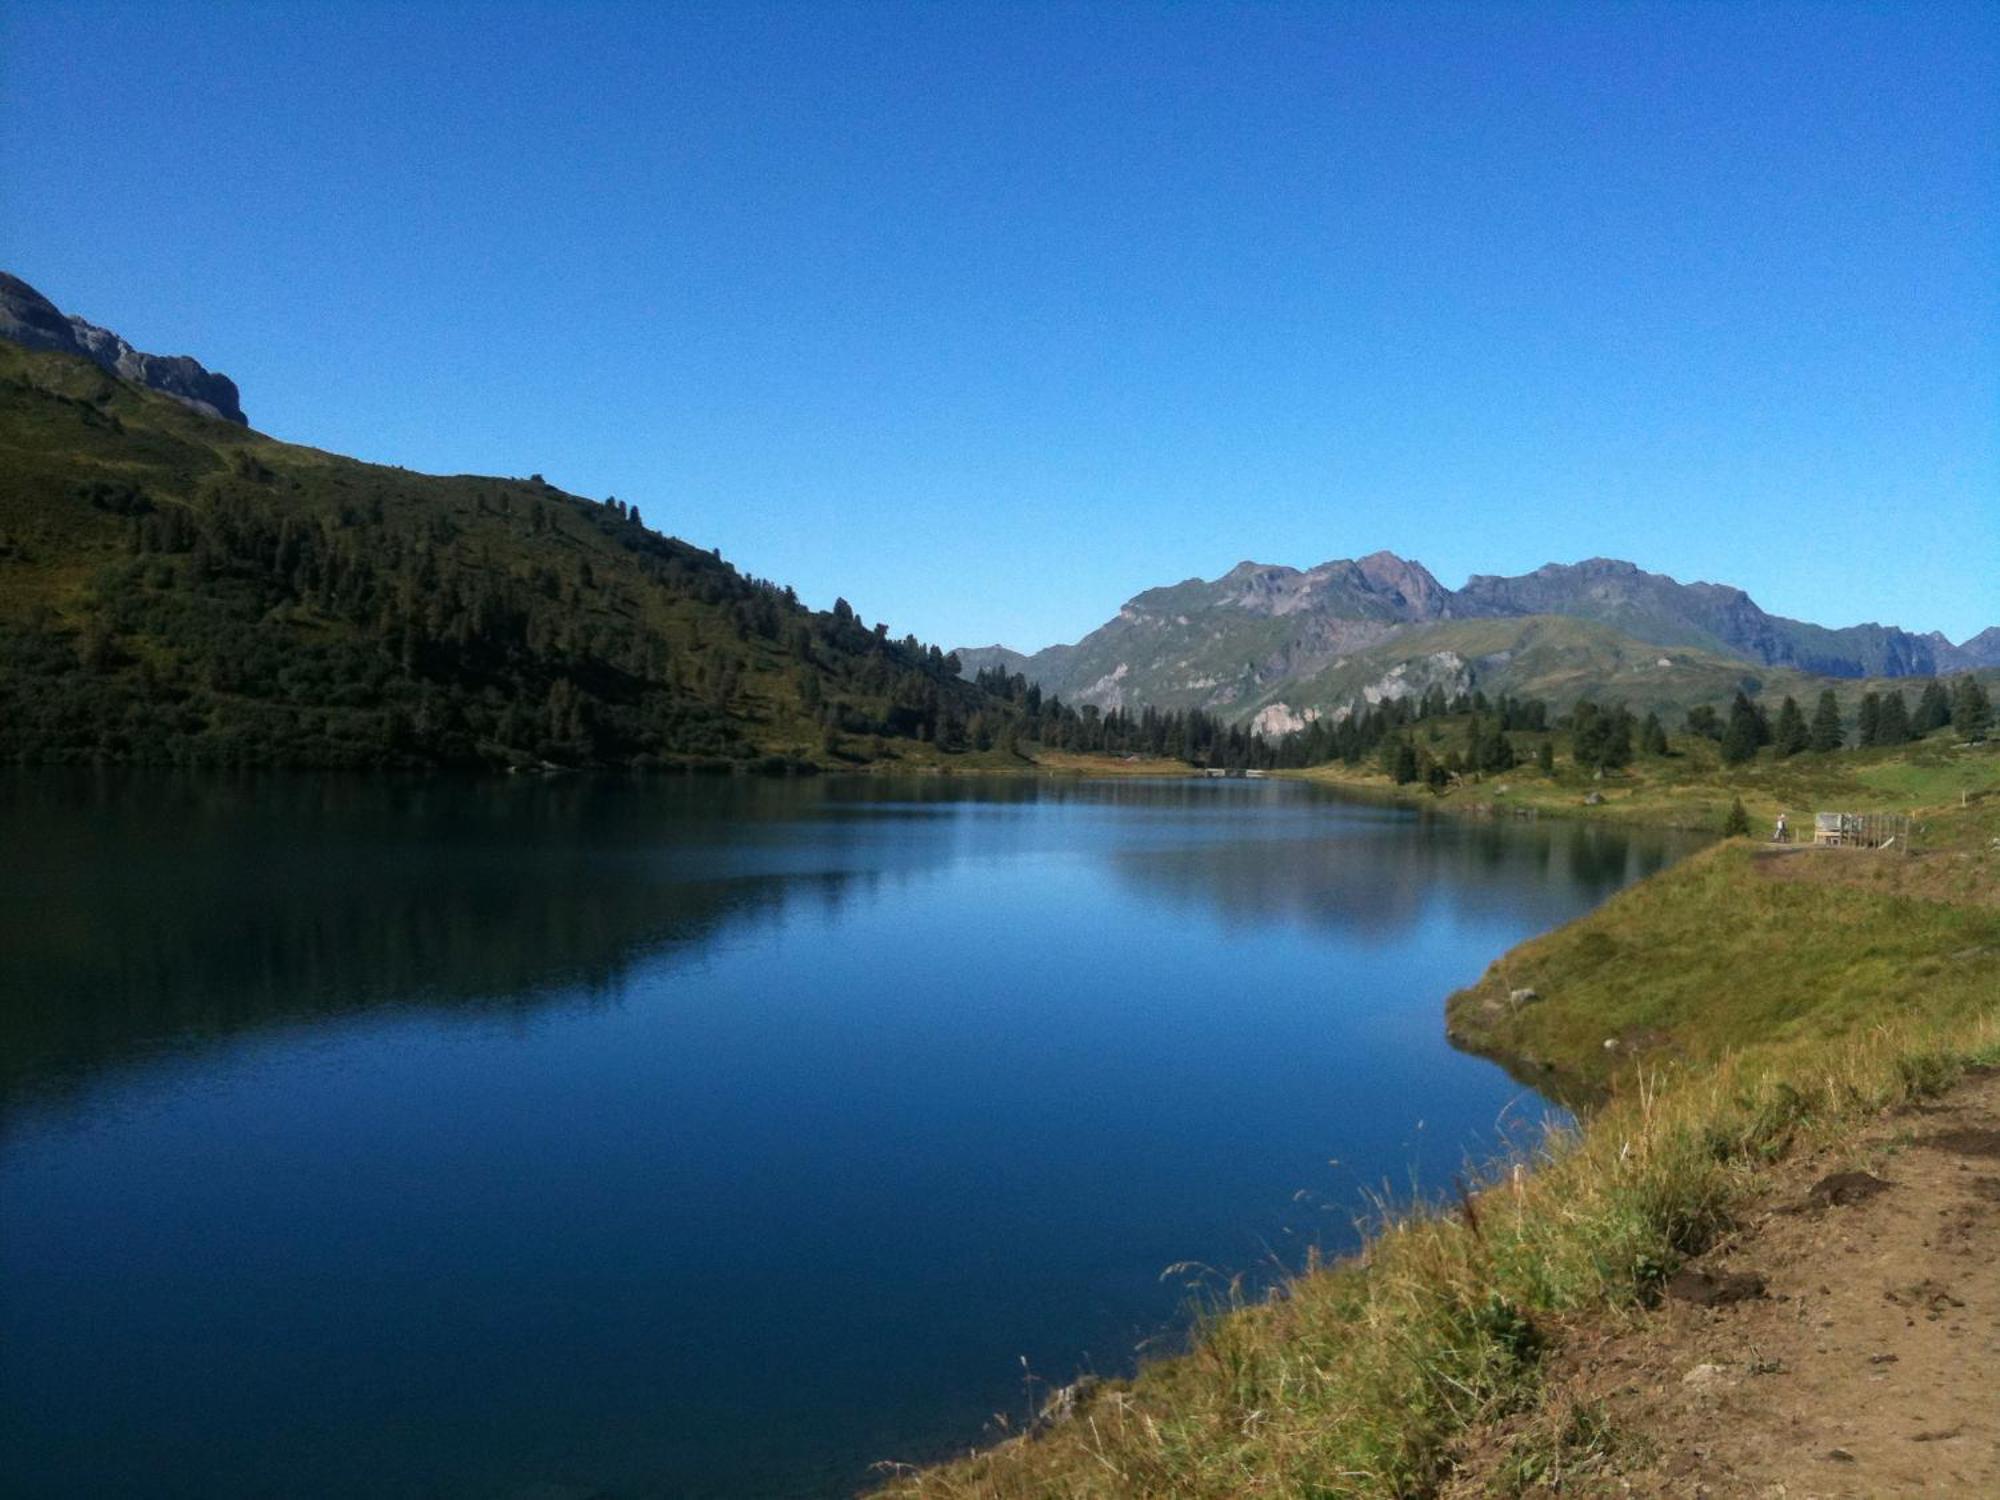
(1882, 718)
(1608, 737)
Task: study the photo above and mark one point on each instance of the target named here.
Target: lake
(606, 1137)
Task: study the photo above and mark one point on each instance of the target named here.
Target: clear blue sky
(988, 317)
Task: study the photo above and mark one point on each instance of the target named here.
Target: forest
(178, 590)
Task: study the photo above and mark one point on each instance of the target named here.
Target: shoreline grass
(1359, 1376)
(1691, 789)
(1763, 1016)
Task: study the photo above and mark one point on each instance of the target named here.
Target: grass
(1767, 1014)
(1358, 1378)
(1692, 789)
(1072, 763)
(1730, 952)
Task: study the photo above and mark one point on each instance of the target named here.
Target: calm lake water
(604, 1138)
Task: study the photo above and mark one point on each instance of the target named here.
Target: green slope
(1549, 657)
(177, 589)
(1559, 659)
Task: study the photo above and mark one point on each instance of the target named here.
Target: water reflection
(448, 1139)
(1360, 872)
(149, 911)
(157, 912)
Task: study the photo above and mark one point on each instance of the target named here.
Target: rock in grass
(1067, 1401)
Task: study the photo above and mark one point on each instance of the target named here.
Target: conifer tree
(1791, 735)
(1971, 709)
(1653, 735)
(1933, 709)
(1892, 721)
(1588, 732)
(1545, 757)
(1868, 720)
(1738, 821)
(1826, 733)
(1617, 738)
(1403, 766)
(1739, 740)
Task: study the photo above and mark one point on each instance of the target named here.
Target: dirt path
(1846, 1342)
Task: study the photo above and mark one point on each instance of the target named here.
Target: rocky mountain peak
(30, 319)
(1409, 580)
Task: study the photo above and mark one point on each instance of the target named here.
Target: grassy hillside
(1560, 660)
(177, 589)
(1691, 788)
(1780, 1012)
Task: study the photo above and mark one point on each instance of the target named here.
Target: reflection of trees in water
(1372, 876)
(150, 909)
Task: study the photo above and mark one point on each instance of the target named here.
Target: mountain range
(177, 587)
(1278, 645)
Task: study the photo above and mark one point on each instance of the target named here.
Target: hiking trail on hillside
(1845, 1341)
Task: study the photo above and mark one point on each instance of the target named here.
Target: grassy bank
(1027, 760)
(1761, 1002)
(1692, 789)
(1742, 948)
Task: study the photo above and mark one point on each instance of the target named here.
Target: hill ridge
(178, 589)
(1240, 642)
(34, 322)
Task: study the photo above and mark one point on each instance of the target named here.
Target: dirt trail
(1846, 1342)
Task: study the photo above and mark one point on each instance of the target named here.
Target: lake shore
(1745, 1010)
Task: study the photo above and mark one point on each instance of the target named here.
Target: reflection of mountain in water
(1370, 873)
(150, 912)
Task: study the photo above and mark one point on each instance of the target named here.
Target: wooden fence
(1863, 830)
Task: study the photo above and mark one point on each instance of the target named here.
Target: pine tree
(1403, 766)
(1738, 821)
(1791, 736)
(1868, 720)
(1971, 709)
(1653, 735)
(1933, 709)
(1617, 751)
(1589, 731)
(1892, 722)
(1545, 757)
(1739, 740)
(1826, 733)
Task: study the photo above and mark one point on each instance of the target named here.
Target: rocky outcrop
(1275, 720)
(30, 319)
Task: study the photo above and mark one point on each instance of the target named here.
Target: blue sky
(988, 317)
